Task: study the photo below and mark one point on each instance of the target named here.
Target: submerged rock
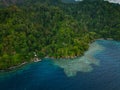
(80, 64)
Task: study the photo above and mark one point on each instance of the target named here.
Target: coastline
(13, 67)
(83, 64)
(36, 59)
(20, 65)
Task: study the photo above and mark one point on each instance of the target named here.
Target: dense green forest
(54, 29)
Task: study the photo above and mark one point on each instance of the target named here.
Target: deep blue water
(46, 75)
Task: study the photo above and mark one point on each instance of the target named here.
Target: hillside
(54, 29)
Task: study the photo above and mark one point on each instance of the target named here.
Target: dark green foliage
(54, 29)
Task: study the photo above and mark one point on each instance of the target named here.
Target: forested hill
(54, 29)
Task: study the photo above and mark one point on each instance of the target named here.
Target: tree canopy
(55, 29)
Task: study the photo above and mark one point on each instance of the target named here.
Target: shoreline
(13, 67)
(81, 64)
(20, 65)
(35, 60)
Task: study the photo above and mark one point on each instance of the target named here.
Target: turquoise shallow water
(98, 69)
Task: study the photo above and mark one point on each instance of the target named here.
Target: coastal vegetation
(37, 28)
